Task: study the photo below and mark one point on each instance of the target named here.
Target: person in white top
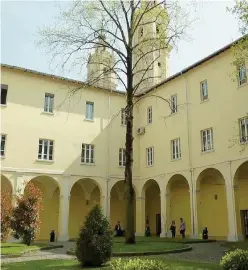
(182, 228)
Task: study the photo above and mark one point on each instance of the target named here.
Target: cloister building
(190, 160)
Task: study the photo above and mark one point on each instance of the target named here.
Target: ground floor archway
(6, 184)
(212, 204)
(85, 193)
(118, 205)
(178, 201)
(49, 215)
(151, 192)
(241, 200)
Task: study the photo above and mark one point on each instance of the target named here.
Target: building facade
(190, 149)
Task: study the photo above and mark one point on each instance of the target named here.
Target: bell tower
(151, 56)
(100, 67)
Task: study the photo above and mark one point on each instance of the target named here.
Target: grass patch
(19, 248)
(235, 245)
(73, 264)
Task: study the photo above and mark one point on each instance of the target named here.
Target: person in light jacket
(182, 228)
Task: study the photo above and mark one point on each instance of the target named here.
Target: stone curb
(30, 251)
(137, 254)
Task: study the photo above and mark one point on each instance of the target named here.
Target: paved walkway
(202, 252)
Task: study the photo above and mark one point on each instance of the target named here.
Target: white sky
(214, 27)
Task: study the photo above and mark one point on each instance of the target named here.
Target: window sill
(45, 160)
(173, 113)
(4, 105)
(205, 101)
(88, 164)
(123, 125)
(242, 85)
(243, 143)
(3, 157)
(48, 113)
(89, 120)
(121, 167)
(176, 159)
(206, 152)
(149, 166)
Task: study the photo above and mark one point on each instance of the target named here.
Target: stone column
(140, 216)
(194, 195)
(163, 201)
(105, 201)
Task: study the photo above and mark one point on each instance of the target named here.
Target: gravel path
(202, 252)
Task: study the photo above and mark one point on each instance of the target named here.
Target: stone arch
(50, 199)
(151, 192)
(118, 197)
(241, 199)
(6, 184)
(178, 202)
(84, 194)
(212, 203)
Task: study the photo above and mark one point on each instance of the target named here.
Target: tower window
(4, 91)
(141, 32)
(159, 64)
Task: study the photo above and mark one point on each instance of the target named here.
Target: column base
(63, 238)
(195, 236)
(232, 238)
(241, 238)
(163, 234)
(139, 234)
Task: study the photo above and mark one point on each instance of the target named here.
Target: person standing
(182, 227)
(173, 228)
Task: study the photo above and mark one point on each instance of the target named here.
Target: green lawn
(73, 264)
(235, 245)
(18, 248)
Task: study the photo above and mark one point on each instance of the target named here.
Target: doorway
(244, 222)
(158, 224)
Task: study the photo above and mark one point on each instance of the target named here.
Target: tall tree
(136, 32)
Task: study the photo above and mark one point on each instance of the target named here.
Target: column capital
(140, 198)
(64, 197)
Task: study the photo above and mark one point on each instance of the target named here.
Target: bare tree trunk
(130, 230)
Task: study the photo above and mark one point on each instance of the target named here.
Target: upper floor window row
(243, 125)
(204, 90)
(242, 75)
(3, 144)
(4, 92)
(123, 117)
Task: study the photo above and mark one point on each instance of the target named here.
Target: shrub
(25, 220)
(94, 245)
(235, 260)
(6, 211)
(138, 264)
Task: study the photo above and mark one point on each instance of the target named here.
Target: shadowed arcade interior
(85, 193)
(179, 203)
(212, 204)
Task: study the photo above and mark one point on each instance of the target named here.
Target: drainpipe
(108, 155)
(189, 151)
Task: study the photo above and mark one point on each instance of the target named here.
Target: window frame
(87, 103)
(204, 97)
(205, 149)
(50, 95)
(149, 115)
(122, 157)
(174, 109)
(241, 70)
(123, 117)
(5, 88)
(176, 145)
(48, 150)
(5, 141)
(150, 156)
(85, 158)
(243, 139)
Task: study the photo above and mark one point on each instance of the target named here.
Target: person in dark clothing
(173, 228)
(148, 230)
(118, 230)
(205, 233)
(52, 236)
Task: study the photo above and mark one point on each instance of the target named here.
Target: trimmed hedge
(235, 260)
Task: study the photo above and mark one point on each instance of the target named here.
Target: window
(3, 142)
(49, 103)
(89, 114)
(122, 157)
(174, 104)
(243, 130)
(4, 91)
(149, 115)
(141, 32)
(157, 29)
(207, 140)
(176, 149)
(149, 156)
(123, 117)
(88, 155)
(45, 149)
(159, 64)
(204, 90)
(242, 78)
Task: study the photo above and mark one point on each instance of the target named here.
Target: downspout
(189, 152)
(108, 155)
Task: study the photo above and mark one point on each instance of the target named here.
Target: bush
(138, 264)
(6, 211)
(235, 260)
(94, 245)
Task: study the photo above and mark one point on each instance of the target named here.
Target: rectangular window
(3, 143)
(45, 149)
(89, 114)
(149, 115)
(123, 117)
(207, 140)
(243, 130)
(204, 90)
(242, 78)
(88, 155)
(4, 91)
(122, 157)
(176, 149)
(49, 103)
(174, 104)
(150, 156)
